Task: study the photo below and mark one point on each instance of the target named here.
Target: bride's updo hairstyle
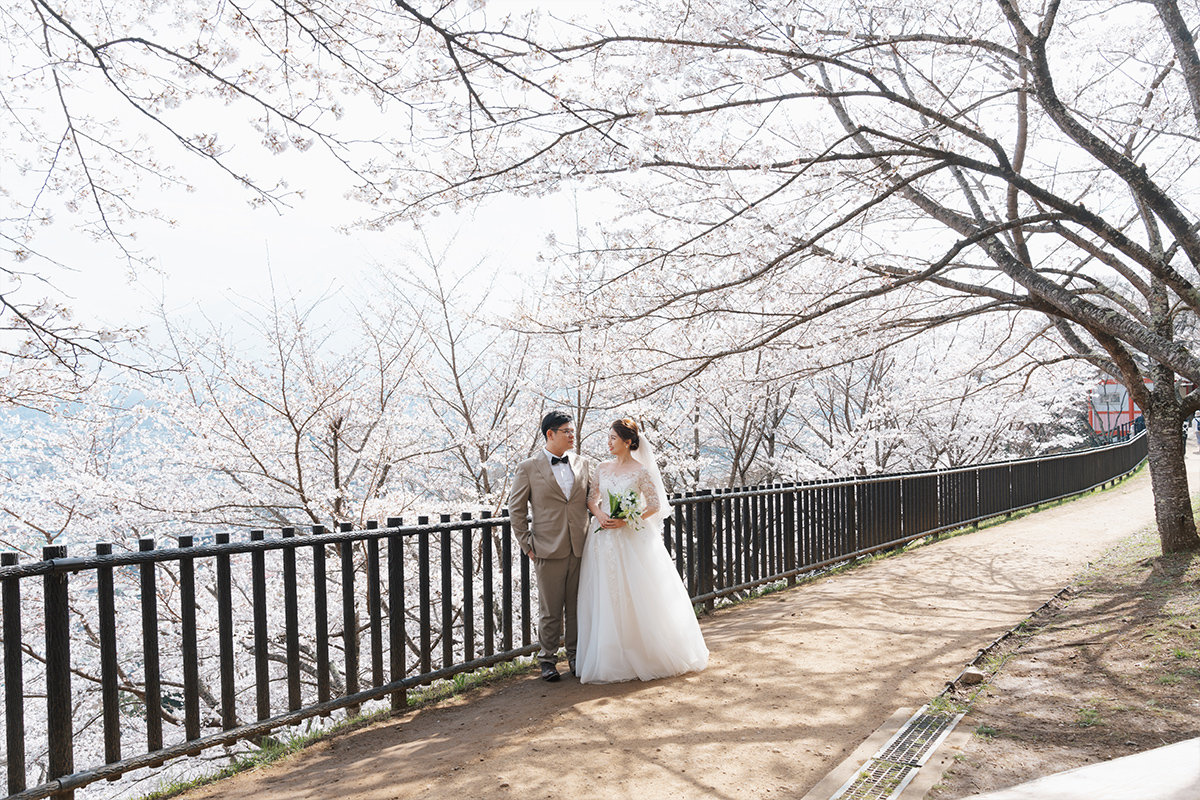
(627, 429)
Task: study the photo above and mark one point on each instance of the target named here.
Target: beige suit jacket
(559, 524)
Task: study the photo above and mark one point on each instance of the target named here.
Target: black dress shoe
(549, 673)
(573, 672)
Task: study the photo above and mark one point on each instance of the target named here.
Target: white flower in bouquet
(628, 506)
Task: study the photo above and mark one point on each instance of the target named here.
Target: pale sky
(221, 249)
(222, 253)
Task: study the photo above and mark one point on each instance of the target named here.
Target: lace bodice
(606, 479)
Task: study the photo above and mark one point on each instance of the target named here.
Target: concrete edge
(825, 788)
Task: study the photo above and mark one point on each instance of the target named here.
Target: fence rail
(171, 651)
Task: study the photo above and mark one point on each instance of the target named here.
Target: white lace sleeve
(645, 485)
(593, 499)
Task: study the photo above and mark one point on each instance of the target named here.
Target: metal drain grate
(877, 780)
(917, 739)
(891, 769)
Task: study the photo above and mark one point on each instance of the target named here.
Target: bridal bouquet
(628, 506)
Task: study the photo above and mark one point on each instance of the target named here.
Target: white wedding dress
(635, 617)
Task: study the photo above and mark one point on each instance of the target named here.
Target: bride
(635, 617)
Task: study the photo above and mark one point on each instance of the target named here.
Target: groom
(552, 486)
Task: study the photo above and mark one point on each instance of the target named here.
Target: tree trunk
(1168, 476)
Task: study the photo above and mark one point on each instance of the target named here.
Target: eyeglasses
(566, 431)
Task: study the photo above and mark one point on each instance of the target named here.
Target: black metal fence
(733, 540)
(167, 652)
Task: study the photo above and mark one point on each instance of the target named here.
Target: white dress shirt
(562, 473)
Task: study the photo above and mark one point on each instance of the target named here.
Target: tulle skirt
(635, 617)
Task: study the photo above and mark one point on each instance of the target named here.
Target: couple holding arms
(606, 581)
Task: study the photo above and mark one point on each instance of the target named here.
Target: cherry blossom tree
(782, 166)
(305, 421)
(477, 379)
(778, 165)
(943, 400)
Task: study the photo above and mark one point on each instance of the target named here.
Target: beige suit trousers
(558, 588)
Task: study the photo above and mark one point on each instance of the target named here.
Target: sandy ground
(796, 680)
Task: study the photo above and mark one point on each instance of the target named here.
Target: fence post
(526, 600)
(225, 636)
(150, 654)
(675, 535)
(258, 594)
(349, 619)
(447, 616)
(375, 606)
(685, 544)
(321, 616)
(789, 531)
(109, 697)
(738, 532)
(774, 528)
(189, 648)
(14, 684)
(423, 581)
(704, 558)
(58, 671)
(754, 536)
(489, 591)
(291, 611)
(396, 665)
(468, 595)
(506, 581)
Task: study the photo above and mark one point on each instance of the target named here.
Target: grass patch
(993, 662)
(1178, 676)
(466, 681)
(948, 705)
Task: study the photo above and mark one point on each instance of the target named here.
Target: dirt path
(796, 680)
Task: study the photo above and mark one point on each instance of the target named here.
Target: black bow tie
(554, 460)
